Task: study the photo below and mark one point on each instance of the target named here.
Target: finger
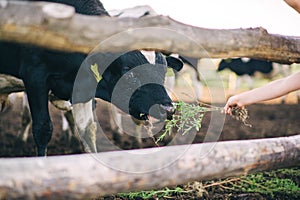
(228, 110)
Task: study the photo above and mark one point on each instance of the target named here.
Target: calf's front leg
(87, 128)
(41, 123)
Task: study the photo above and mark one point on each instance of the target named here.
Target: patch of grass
(268, 184)
(275, 184)
(163, 193)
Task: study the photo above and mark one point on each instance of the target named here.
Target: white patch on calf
(65, 123)
(83, 114)
(245, 59)
(25, 103)
(175, 55)
(13, 98)
(169, 85)
(149, 55)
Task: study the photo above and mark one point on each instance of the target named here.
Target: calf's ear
(174, 63)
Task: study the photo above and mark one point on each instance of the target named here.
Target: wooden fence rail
(91, 175)
(45, 25)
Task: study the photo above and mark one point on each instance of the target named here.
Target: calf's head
(134, 82)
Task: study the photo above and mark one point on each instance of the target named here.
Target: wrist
(240, 100)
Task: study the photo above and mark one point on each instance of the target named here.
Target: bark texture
(42, 24)
(91, 175)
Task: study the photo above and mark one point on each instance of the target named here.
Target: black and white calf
(43, 71)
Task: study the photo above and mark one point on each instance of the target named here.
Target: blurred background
(274, 15)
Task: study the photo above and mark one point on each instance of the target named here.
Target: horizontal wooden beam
(90, 175)
(42, 24)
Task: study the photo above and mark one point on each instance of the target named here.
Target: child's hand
(233, 101)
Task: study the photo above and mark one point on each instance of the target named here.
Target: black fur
(241, 68)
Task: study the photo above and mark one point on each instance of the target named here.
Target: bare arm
(294, 4)
(270, 91)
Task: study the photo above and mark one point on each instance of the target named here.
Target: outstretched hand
(233, 101)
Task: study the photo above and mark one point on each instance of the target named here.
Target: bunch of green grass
(187, 117)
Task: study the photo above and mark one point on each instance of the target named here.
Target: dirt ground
(274, 120)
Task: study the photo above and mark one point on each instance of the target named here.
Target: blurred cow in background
(245, 69)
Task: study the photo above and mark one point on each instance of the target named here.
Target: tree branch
(39, 24)
(90, 175)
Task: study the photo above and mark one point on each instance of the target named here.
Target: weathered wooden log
(41, 24)
(9, 84)
(90, 175)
